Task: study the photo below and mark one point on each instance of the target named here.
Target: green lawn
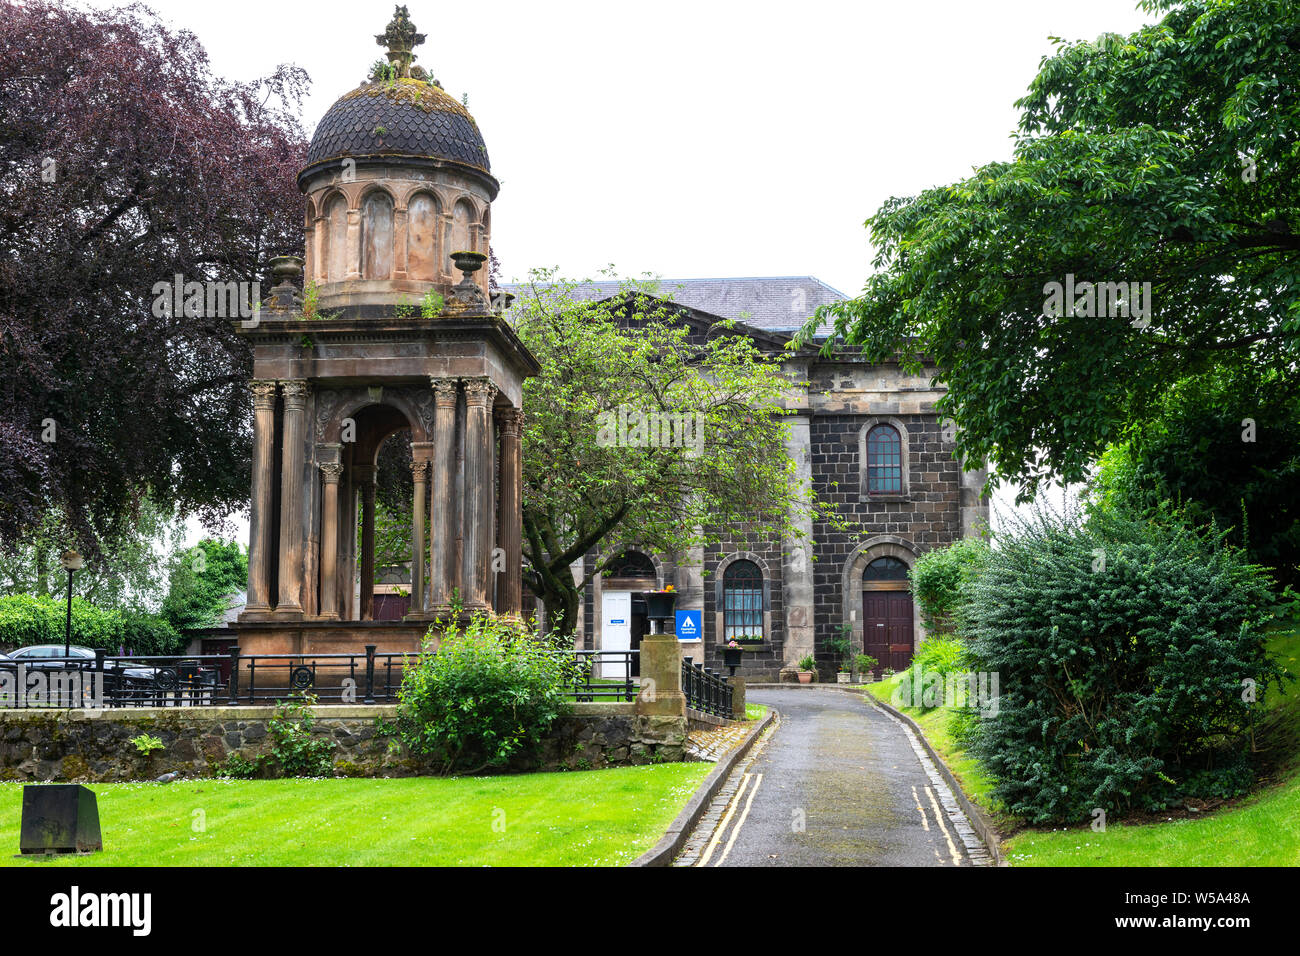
(591, 818)
(1262, 829)
(755, 711)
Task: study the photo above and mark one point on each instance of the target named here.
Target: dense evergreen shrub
(489, 694)
(1125, 650)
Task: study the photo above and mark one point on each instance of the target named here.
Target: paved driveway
(837, 783)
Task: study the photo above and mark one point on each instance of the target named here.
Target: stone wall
(37, 745)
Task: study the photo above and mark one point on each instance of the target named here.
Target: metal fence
(706, 691)
(235, 678)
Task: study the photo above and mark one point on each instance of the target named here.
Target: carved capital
(512, 421)
(331, 471)
(480, 392)
(263, 393)
(295, 392)
(418, 468)
(444, 390)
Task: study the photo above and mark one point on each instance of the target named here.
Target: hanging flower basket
(732, 653)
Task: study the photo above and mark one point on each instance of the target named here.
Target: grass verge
(580, 818)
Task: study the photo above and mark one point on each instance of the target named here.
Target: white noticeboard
(615, 632)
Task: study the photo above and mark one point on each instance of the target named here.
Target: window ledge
(885, 497)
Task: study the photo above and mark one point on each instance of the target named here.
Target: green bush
(938, 576)
(295, 750)
(150, 634)
(490, 694)
(1122, 648)
(27, 619)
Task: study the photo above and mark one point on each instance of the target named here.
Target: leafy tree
(1225, 446)
(201, 580)
(125, 163)
(1167, 156)
(938, 577)
(589, 480)
(1131, 664)
(128, 572)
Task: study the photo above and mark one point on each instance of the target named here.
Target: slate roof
(773, 303)
(418, 120)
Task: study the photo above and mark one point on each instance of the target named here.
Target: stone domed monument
(397, 181)
(393, 331)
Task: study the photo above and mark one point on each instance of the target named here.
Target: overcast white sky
(691, 139)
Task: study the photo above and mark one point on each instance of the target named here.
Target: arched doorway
(887, 633)
(624, 618)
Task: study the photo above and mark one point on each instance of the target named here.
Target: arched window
(884, 461)
(885, 569)
(631, 564)
(742, 600)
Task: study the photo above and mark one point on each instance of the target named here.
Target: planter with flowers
(806, 668)
(866, 665)
(732, 654)
(659, 604)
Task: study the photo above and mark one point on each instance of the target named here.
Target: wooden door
(887, 628)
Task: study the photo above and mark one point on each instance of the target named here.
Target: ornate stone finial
(286, 270)
(400, 39)
(466, 296)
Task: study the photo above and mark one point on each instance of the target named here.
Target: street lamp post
(71, 562)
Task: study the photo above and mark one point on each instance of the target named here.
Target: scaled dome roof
(399, 118)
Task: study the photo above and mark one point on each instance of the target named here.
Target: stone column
(444, 574)
(291, 457)
(354, 244)
(367, 546)
(329, 546)
(400, 221)
(419, 470)
(511, 529)
(797, 592)
(320, 268)
(260, 517)
(477, 510)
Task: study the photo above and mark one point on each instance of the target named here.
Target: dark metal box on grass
(59, 818)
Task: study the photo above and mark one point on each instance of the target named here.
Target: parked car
(123, 681)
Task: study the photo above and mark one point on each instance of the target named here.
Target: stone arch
(334, 261)
(377, 221)
(418, 414)
(877, 546)
(901, 427)
(463, 219)
(424, 220)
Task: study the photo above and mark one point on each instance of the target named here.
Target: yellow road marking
(726, 818)
(741, 822)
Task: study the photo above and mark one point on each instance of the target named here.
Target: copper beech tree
(123, 163)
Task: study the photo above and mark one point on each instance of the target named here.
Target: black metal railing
(235, 678)
(201, 679)
(705, 690)
(604, 675)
